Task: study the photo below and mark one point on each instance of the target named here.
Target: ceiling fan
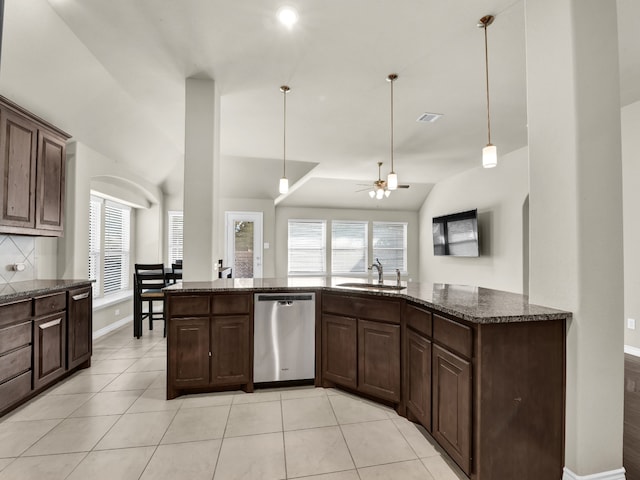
(380, 189)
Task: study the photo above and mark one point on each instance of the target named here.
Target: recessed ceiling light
(287, 16)
(429, 117)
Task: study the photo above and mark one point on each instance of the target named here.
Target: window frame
(365, 249)
(404, 248)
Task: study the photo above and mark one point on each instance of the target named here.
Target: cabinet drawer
(418, 319)
(14, 390)
(15, 362)
(225, 304)
(453, 335)
(362, 307)
(188, 305)
(14, 312)
(50, 304)
(15, 336)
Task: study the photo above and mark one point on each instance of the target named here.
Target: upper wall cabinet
(32, 165)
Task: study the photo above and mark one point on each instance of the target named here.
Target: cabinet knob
(210, 354)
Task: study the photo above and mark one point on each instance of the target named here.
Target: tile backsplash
(17, 249)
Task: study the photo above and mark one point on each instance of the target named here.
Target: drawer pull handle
(81, 296)
(52, 323)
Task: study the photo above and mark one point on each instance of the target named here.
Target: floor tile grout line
(345, 440)
(77, 465)
(284, 444)
(224, 433)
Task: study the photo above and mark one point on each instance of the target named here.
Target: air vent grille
(429, 117)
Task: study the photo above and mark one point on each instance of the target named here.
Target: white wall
(499, 195)
(631, 208)
(283, 214)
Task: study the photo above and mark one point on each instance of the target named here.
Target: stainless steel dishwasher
(284, 337)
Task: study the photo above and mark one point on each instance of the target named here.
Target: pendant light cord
(392, 171)
(486, 67)
(284, 135)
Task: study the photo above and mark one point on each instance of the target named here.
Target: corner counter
(482, 370)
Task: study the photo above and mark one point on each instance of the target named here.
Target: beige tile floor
(112, 422)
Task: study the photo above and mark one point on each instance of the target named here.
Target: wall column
(575, 201)
(201, 154)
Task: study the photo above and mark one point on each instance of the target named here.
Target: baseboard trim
(610, 475)
(632, 350)
(112, 326)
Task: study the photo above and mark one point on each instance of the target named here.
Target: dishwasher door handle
(285, 303)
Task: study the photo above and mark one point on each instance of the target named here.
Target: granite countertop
(15, 291)
(474, 304)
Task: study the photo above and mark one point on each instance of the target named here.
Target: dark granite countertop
(10, 292)
(474, 304)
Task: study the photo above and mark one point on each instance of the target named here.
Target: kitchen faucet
(377, 266)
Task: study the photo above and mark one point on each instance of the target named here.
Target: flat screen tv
(456, 234)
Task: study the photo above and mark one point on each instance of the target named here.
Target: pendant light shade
(490, 152)
(392, 178)
(284, 181)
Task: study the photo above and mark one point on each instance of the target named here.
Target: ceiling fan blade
(404, 185)
(363, 190)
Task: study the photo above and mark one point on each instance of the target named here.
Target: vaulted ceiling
(112, 73)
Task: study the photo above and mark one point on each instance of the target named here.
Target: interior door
(244, 244)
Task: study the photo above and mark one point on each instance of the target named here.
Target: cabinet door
(340, 350)
(188, 352)
(51, 177)
(418, 377)
(379, 359)
(452, 405)
(18, 144)
(49, 347)
(79, 329)
(230, 350)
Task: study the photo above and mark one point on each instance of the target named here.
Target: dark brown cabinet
(452, 405)
(361, 344)
(49, 346)
(209, 342)
(15, 352)
(379, 359)
(339, 350)
(79, 327)
(32, 162)
(418, 377)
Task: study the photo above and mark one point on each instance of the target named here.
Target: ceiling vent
(429, 117)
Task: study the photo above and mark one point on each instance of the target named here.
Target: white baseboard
(112, 326)
(632, 350)
(610, 475)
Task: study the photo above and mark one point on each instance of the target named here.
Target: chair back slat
(150, 276)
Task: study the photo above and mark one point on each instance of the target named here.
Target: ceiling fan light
(372, 194)
(380, 194)
(489, 156)
(284, 185)
(387, 193)
(392, 181)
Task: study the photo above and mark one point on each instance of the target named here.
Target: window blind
(348, 247)
(390, 245)
(175, 236)
(307, 247)
(117, 219)
(95, 215)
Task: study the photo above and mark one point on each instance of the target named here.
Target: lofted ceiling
(111, 72)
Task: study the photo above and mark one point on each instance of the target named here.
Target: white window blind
(390, 245)
(117, 219)
(348, 247)
(175, 236)
(307, 247)
(95, 216)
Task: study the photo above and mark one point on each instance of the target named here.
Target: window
(109, 241)
(307, 247)
(390, 245)
(348, 247)
(175, 236)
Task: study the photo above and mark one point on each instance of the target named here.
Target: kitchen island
(482, 370)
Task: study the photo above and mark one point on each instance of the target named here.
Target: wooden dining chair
(176, 271)
(150, 280)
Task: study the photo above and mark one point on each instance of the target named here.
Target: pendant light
(284, 181)
(392, 178)
(490, 152)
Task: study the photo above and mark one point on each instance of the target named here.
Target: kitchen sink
(380, 286)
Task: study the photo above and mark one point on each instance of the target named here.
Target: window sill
(113, 299)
